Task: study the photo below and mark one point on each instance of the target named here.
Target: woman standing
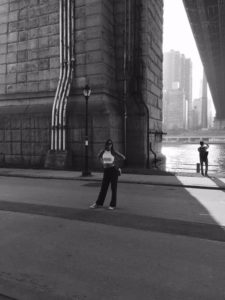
(108, 158)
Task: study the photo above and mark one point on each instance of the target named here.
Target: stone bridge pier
(49, 50)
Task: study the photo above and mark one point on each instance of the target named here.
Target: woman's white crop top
(107, 157)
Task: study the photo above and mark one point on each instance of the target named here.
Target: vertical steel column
(53, 124)
(68, 71)
(64, 73)
(138, 65)
(86, 171)
(72, 59)
(221, 15)
(125, 80)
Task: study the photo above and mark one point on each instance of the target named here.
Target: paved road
(161, 243)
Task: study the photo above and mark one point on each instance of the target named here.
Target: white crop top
(107, 157)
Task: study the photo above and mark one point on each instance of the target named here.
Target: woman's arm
(100, 154)
(120, 155)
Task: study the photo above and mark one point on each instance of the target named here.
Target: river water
(184, 157)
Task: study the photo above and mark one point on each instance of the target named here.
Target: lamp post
(87, 93)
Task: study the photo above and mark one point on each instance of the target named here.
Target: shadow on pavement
(218, 182)
(165, 209)
(139, 222)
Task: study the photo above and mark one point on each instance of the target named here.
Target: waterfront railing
(191, 168)
(194, 139)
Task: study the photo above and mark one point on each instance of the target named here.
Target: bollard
(198, 168)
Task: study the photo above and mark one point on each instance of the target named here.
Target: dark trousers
(110, 176)
(206, 166)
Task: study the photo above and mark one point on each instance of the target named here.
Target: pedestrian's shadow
(218, 182)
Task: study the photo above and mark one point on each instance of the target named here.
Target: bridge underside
(207, 20)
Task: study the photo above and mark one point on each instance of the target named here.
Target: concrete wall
(29, 67)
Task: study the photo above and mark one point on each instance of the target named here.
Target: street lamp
(87, 93)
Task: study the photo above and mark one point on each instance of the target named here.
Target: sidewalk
(182, 180)
(55, 248)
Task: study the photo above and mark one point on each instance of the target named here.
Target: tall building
(175, 110)
(197, 114)
(177, 80)
(202, 108)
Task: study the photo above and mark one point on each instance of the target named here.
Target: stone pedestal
(58, 160)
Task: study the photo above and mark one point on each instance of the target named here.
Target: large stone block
(58, 160)
(13, 160)
(26, 148)
(53, 18)
(32, 87)
(16, 148)
(22, 77)
(3, 69)
(3, 49)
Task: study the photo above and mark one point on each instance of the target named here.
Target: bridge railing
(193, 139)
(191, 168)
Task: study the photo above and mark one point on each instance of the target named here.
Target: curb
(96, 179)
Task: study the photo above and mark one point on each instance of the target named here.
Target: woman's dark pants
(110, 176)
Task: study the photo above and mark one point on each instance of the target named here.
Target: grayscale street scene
(112, 149)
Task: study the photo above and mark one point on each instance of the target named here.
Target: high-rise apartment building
(177, 80)
(197, 114)
(175, 108)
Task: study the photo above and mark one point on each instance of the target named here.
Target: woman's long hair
(105, 148)
(109, 141)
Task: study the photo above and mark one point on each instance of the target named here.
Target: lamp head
(87, 91)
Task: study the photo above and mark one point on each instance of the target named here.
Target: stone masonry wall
(144, 96)
(24, 135)
(100, 39)
(153, 63)
(29, 46)
(29, 70)
(95, 65)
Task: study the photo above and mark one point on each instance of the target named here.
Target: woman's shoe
(94, 205)
(111, 207)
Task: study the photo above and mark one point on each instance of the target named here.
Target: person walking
(203, 156)
(108, 157)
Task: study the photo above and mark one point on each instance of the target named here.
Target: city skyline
(177, 80)
(178, 36)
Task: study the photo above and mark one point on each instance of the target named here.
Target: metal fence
(192, 168)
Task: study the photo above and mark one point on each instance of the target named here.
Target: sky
(178, 36)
